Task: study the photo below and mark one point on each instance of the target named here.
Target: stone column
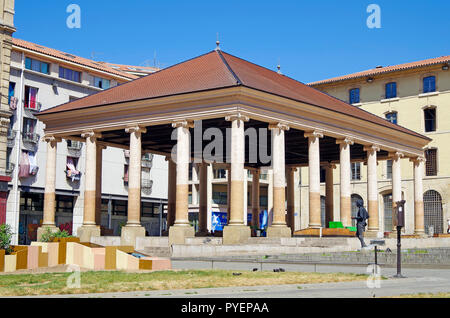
(329, 194)
(171, 192)
(133, 228)
(90, 228)
(50, 187)
(98, 187)
(314, 178)
(228, 193)
(182, 229)
(419, 227)
(255, 198)
(279, 227)
(203, 203)
(236, 232)
(396, 181)
(372, 188)
(345, 178)
(290, 172)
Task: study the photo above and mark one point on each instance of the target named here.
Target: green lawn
(116, 281)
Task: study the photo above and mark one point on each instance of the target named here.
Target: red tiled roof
(216, 70)
(387, 69)
(71, 58)
(131, 68)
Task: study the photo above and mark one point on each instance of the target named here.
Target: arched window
(432, 211)
(355, 198)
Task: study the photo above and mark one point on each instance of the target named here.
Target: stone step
(160, 251)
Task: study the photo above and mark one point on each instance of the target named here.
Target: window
(69, 74)
(31, 201)
(429, 84)
(12, 87)
(356, 171)
(391, 90)
(389, 169)
(64, 204)
(430, 119)
(101, 83)
(37, 66)
(31, 98)
(263, 200)
(323, 174)
(220, 198)
(29, 126)
(220, 173)
(392, 117)
(431, 164)
(354, 96)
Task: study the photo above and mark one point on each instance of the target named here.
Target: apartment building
(42, 78)
(413, 95)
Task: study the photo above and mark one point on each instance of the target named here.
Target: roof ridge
(238, 81)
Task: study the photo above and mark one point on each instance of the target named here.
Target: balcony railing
(10, 168)
(33, 107)
(11, 137)
(147, 159)
(30, 137)
(74, 145)
(146, 184)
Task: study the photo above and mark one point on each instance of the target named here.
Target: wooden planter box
(21, 253)
(63, 247)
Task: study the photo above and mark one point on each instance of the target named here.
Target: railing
(11, 137)
(10, 168)
(36, 107)
(74, 145)
(30, 137)
(146, 184)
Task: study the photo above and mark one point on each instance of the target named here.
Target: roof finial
(279, 67)
(217, 42)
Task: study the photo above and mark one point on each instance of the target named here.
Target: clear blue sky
(312, 39)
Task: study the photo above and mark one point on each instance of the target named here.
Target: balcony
(146, 186)
(11, 138)
(32, 107)
(10, 168)
(30, 137)
(146, 162)
(74, 148)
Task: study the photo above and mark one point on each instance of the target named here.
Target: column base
(85, 232)
(177, 234)
(236, 234)
(279, 231)
(374, 234)
(130, 233)
(421, 234)
(43, 229)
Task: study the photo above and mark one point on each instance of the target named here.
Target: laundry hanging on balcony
(24, 165)
(33, 163)
(72, 172)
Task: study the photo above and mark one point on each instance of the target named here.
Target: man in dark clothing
(361, 218)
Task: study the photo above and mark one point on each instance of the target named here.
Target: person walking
(361, 218)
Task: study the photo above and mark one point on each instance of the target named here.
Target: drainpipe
(18, 143)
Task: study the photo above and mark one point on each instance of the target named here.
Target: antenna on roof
(279, 67)
(217, 42)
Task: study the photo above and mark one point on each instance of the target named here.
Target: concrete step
(158, 251)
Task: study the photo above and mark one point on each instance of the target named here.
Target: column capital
(372, 148)
(135, 129)
(51, 138)
(183, 123)
(313, 134)
(345, 141)
(418, 159)
(396, 155)
(91, 134)
(280, 126)
(237, 116)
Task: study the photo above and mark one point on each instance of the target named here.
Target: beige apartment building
(413, 95)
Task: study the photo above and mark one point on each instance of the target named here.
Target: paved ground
(419, 280)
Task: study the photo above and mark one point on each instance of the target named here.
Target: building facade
(6, 30)
(413, 95)
(42, 78)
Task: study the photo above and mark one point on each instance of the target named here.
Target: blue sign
(218, 221)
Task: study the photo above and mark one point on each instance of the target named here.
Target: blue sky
(313, 40)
